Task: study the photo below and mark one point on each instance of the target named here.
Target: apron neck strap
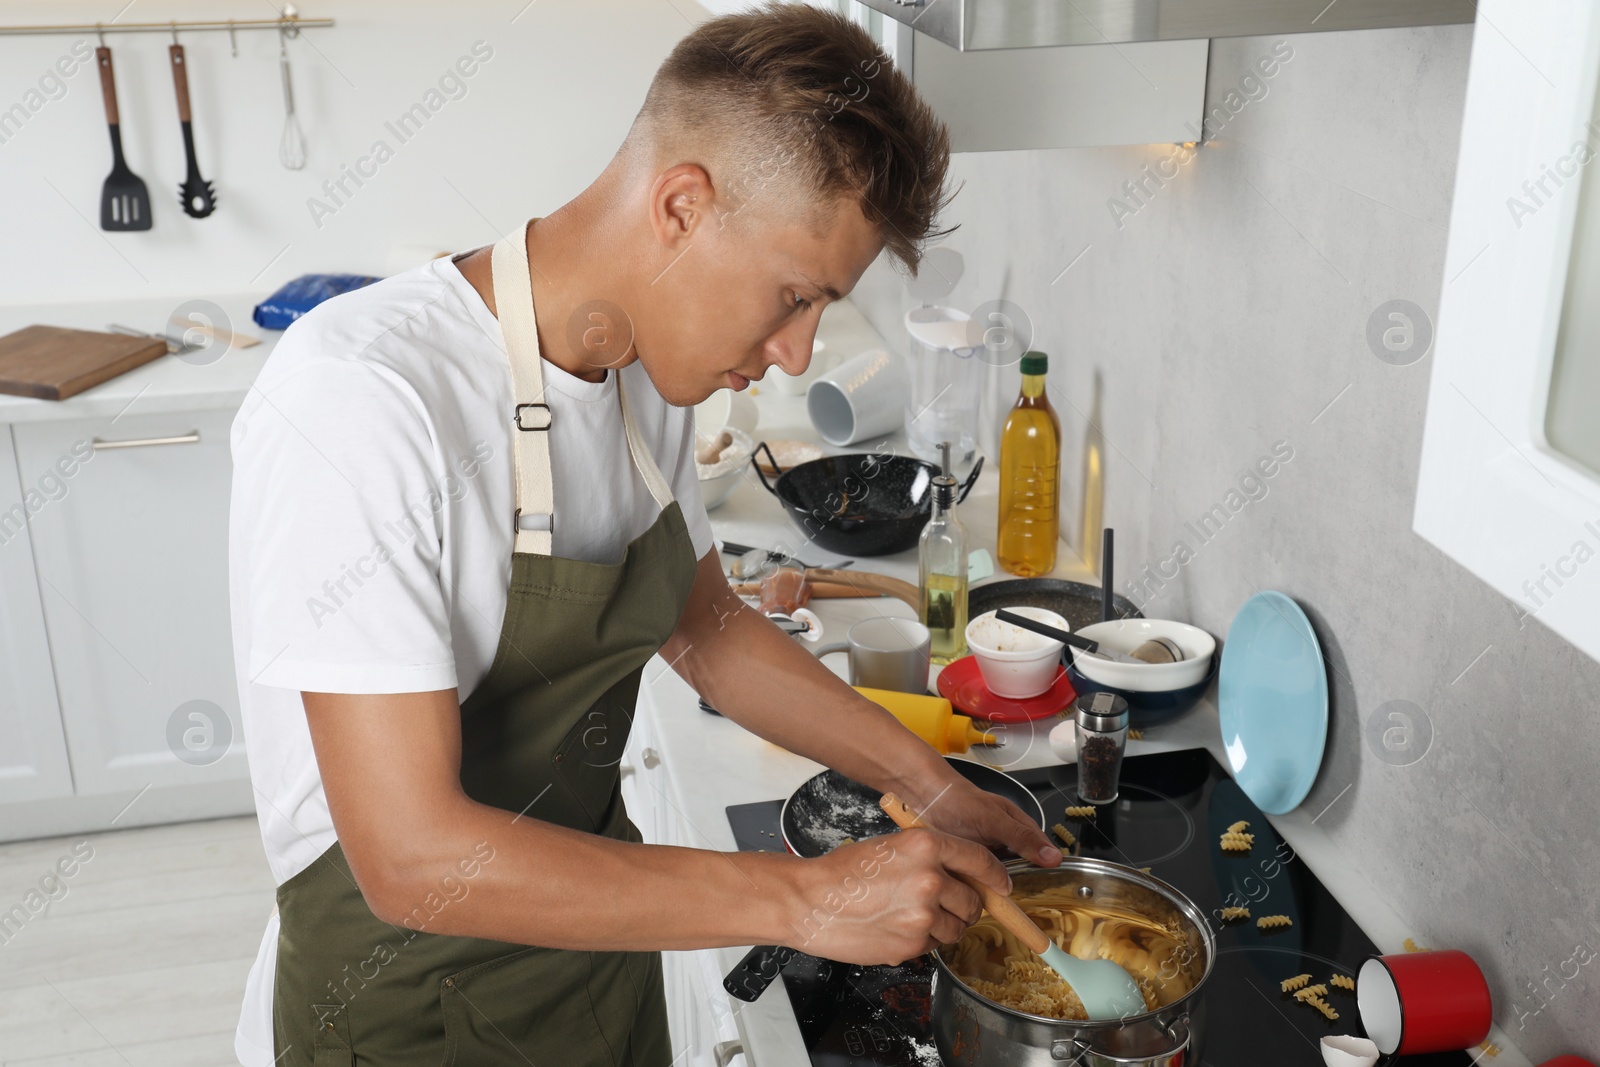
(513, 298)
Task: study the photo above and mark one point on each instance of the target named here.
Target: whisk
(292, 145)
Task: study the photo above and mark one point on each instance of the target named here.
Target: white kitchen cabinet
(132, 571)
(699, 1011)
(33, 749)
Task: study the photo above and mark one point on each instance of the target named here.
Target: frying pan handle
(751, 976)
(972, 480)
(108, 83)
(762, 447)
(180, 79)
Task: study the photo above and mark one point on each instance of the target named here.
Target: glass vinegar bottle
(1030, 477)
(942, 566)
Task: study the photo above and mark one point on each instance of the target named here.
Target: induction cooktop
(1170, 816)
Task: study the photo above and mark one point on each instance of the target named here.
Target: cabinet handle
(190, 438)
(725, 1051)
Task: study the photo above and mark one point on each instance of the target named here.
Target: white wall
(537, 121)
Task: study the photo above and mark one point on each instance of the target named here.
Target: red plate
(962, 685)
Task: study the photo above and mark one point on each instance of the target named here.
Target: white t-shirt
(370, 532)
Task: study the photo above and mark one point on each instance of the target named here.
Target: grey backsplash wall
(1226, 316)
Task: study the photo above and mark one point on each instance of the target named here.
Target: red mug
(1424, 1002)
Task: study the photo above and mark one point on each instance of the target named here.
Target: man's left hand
(961, 808)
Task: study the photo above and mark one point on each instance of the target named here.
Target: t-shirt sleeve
(336, 506)
(685, 479)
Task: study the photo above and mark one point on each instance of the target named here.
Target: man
(459, 530)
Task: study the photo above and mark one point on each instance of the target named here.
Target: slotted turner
(124, 200)
(196, 195)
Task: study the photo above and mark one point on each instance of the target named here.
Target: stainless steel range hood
(977, 25)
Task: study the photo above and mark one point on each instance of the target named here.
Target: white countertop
(714, 763)
(166, 383)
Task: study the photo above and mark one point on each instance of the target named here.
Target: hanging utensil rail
(293, 25)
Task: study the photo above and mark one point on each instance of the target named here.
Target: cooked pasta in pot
(1160, 958)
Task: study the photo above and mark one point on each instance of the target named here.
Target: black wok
(860, 503)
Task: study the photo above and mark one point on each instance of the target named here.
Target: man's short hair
(789, 99)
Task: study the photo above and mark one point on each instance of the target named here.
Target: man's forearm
(477, 871)
(763, 679)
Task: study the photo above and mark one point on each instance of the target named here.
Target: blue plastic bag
(299, 296)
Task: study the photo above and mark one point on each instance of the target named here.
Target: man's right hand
(888, 899)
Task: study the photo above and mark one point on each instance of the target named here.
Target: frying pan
(860, 503)
(829, 808)
(1077, 602)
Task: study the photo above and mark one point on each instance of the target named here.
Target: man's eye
(800, 303)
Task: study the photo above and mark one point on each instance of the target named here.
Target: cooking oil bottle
(1030, 477)
(942, 563)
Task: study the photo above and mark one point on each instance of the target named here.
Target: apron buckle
(537, 520)
(540, 421)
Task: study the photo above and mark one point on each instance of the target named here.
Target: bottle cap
(1035, 363)
(1102, 712)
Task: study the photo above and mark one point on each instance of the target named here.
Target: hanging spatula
(196, 195)
(124, 200)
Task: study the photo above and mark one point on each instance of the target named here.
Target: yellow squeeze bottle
(930, 718)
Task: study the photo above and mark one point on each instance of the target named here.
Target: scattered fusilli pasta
(1239, 827)
(1237, 842)
(1323, 1006)
(1274, 922)
(1312, 992)
(1065, 835)
(1232, 914)
(1343, 981)
(1289, 985)
(1081, 811)
(1135, 734)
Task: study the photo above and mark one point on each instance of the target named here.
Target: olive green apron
(541, 738)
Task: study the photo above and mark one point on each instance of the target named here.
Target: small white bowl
(1016, 663)
(715, 489)
(1125, 635)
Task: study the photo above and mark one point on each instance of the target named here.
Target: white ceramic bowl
(716, 488)
(1125, 635)
(1016, 663)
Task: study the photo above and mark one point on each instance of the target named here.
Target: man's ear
(681, 201)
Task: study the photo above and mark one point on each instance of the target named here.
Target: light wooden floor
(143, 961)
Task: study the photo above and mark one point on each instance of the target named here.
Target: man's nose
(791, 352)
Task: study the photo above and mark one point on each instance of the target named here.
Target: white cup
(724, 410)
(861, 398)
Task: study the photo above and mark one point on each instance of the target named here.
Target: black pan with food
(860, 503)
(829, 809)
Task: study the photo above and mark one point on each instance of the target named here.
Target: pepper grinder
(1102, 733)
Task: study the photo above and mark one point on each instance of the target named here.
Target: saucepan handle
(1078, 1053)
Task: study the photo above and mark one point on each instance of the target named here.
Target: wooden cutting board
(53, 363)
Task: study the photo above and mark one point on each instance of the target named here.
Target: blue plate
(1272, 699)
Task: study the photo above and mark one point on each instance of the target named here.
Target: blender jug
(947, 382)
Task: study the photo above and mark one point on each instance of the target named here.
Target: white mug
(725, 410)
(861, 398)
